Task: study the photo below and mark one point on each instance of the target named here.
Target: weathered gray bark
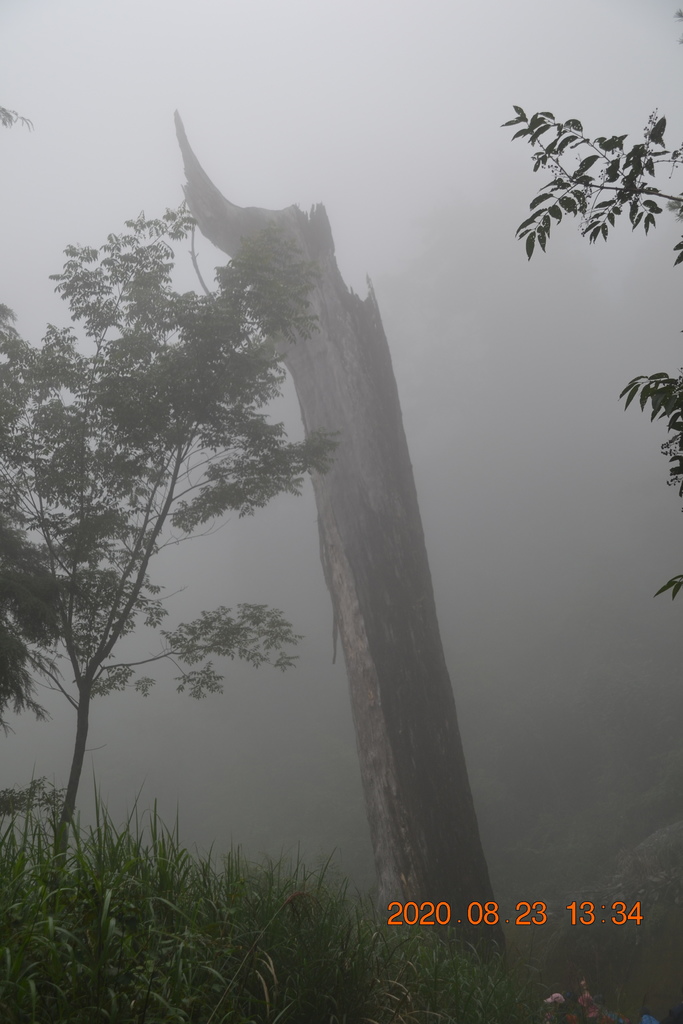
(419, 805)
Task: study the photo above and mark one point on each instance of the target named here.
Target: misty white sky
(388, 112)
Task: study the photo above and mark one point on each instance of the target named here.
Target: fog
(547, 517)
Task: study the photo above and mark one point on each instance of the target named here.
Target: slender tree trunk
(422, 820)
(82, 715)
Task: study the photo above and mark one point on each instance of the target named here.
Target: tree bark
(82, 716)
(420, 811)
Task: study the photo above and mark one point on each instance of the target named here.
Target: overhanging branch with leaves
(604, 180)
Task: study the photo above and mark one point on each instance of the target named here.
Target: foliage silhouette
(8, 118)
(111, 454)
(605, 182)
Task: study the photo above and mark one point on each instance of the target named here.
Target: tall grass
(130, 927)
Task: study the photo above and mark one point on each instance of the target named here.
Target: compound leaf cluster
(598, 186)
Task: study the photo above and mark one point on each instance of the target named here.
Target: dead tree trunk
(419, 805)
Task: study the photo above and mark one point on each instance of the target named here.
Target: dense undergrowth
(128, 926)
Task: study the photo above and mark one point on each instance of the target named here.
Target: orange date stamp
(526, 913)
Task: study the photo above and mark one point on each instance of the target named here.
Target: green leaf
(566, 141)
(613, 168)
(657, 133)
(568, 204)
(616, 142)
(520, 134)
(530, 242)
(586, 164)
(540, 199)
(674, 585)
(636, 380)
(520, 112)
(539, 131)
(555, 212)
(528, 221)
(632, 394)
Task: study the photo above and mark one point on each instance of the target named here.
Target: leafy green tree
(596, 180)
(143, 435)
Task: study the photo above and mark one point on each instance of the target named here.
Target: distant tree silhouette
(28, 607)
(10, 117)
(28, 603)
